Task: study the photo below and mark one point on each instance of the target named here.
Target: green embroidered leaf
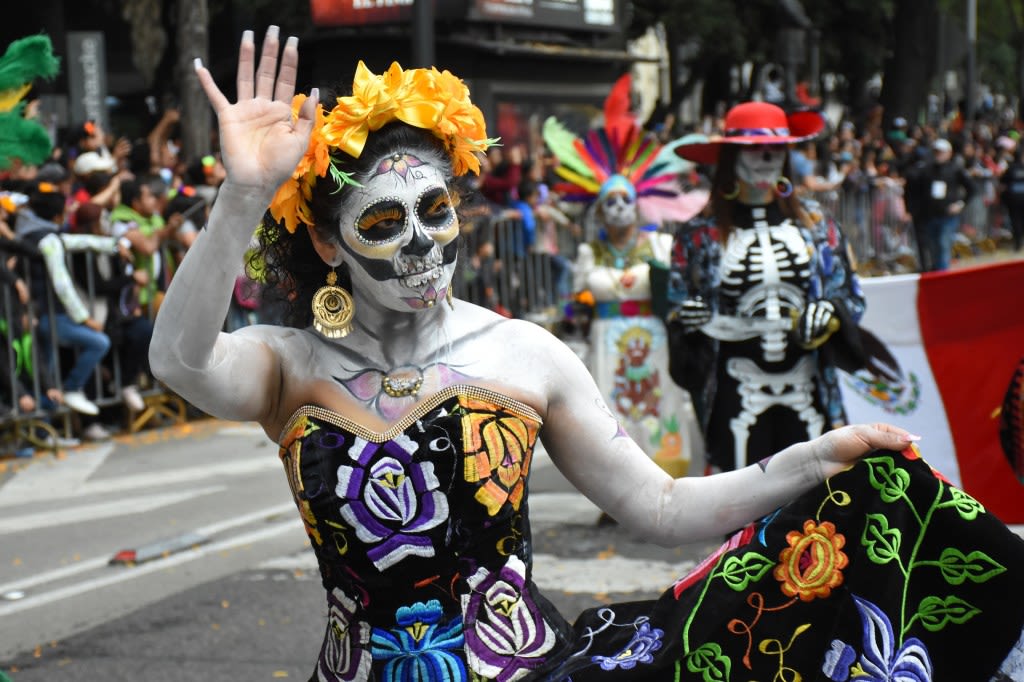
(709, 661)
(738, 572)
(936, 612)
(976, 566)
(889, 481)
(881, 542)
(966, 506)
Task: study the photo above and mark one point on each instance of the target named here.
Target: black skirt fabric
(884, 572)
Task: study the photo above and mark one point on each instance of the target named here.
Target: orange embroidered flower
(812, 564)
(424, 98)
(498, 449)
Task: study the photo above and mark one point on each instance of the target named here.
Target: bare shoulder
(522, 352)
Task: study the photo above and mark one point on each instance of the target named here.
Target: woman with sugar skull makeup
(407, 420)
(763, 295)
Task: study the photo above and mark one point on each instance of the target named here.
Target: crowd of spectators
(90, 239)
(913, 196)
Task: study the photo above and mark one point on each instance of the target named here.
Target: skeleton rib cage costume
(755, 388)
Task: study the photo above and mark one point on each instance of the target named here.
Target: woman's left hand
(839, 448)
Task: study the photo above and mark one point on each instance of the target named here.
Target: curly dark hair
(291, 269)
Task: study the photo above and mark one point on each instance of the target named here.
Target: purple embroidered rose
(390, 500)
(506, 636)
(646, 640)
(344, 655)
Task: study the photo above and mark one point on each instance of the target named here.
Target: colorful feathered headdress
(24, 61)
(622, 150)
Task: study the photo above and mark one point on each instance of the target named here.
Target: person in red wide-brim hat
(762, 294)
(755, 123)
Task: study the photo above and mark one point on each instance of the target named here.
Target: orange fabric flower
(291, 201)
(812, 564)
(424, 98)
(498, 449)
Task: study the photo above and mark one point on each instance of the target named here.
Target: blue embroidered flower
(640, 649)
(880, 661)
(420, 649)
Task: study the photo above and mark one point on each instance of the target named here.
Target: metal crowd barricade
(873, 217)
(523, 280)
(42, 426)
(159, 402)
(17, 427)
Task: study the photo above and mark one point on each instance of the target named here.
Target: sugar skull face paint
(400, 231)
(761, 165)
(618, 209)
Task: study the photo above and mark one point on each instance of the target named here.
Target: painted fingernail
(292, 42)
(197, 63)
(911, 438)
(272, 31)
(247, 36)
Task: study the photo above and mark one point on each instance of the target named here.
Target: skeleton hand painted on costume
(817, 323)
(691, 315)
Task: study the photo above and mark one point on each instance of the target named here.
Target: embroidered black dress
(422, 536)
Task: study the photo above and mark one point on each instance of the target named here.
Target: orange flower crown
(425, 98)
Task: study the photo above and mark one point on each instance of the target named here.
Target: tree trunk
(910, 66)
(193, 41)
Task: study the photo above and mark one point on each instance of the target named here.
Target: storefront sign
(87, 77)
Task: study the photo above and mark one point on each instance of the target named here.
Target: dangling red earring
(783, 187)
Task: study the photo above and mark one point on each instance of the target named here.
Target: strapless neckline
(502, 400)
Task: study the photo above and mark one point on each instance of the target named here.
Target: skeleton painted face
(399, 231)
(760, 165)
(618, 209)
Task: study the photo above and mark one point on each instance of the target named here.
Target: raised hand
(260, 141)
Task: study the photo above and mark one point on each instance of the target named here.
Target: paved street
(224, 586)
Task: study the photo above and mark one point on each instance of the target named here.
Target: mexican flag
(948, 365)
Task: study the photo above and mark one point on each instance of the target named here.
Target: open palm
(260, 142)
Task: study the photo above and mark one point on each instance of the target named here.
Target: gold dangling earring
(333, 309)
(729, 196)
(448, 296)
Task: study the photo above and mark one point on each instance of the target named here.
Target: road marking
(56, 574)
(40, 488)
(101, 510)
(49, 478)
(125, 574)
(244, 519)
(100, 562)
